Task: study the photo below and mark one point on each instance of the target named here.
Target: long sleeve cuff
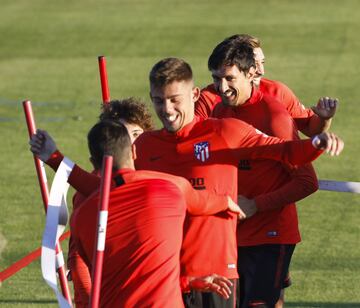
(55, 160)
(185, 284)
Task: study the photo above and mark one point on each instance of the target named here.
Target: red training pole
(103, 79)
(101, 231)
(40, 170)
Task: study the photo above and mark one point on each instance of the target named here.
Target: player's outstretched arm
(324, 111)
(214, 283)
(204, 202)
(42, 145)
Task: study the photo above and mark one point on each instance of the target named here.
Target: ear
(251, 73)
(195, 94)
(133, 151)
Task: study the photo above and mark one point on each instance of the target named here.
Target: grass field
(48, 53)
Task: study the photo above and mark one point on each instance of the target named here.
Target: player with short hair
(273, 230)
(135, 116)
(266, 240)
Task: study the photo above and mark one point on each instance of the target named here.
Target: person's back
(144, 234)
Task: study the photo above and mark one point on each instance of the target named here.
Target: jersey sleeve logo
(201, 151)
(259, 132)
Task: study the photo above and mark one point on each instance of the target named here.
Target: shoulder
(159, 183)
(269, 84)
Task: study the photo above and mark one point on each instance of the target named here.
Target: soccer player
(144, 231)
(135, 116)
(270, 235)
(309, 121)
(255, 109)
(207, 153)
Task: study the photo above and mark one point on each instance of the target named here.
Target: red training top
(274, 186)
(207, 154)
(143, 239)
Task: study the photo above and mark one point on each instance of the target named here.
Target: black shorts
(287, 281)
(196, 299)
(263, 270)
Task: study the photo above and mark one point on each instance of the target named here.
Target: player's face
(174, 104)
(233, 86)
(134, 130)
(259, 62)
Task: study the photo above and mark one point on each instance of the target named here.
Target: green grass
(48, 53)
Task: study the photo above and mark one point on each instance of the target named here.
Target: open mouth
(229, 95)
(171, 120)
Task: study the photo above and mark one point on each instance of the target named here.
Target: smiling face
(174, 103)
(259, 62)
(233, 85)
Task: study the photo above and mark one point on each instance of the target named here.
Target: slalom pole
(40, 170)
(101, 231)
(103, 79)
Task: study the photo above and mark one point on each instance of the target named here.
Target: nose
(168, 107)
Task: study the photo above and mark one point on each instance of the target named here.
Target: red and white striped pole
(40, 170)
(101, 231)
(103, 79)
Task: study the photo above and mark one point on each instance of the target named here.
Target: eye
(229, 78)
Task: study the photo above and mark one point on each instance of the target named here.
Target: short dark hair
(131, 109)
(232, 52)
(169, 70)
(253, 41)
(109, 138)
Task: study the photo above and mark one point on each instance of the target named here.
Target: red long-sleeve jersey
(301, 115)
(207, 154)
(79, 270)
(274, 187)
(144, 235)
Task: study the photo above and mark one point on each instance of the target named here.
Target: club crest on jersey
(201, 151)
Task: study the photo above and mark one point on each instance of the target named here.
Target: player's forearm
(83, 181)
(297, 152)
(205, 203)
(316, 126)
(303, 183)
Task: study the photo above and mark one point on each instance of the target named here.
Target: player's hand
(212, 283)
(328, 142)
(248, 206)
(233, 207)
(326, 107)
(42, 145)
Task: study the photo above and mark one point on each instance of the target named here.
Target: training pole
(103, 79)
(101, 231)
(40, 170)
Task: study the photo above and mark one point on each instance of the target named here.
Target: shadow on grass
(27, 301)
(321, 305)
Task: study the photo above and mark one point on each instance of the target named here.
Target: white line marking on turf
(339, 186)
